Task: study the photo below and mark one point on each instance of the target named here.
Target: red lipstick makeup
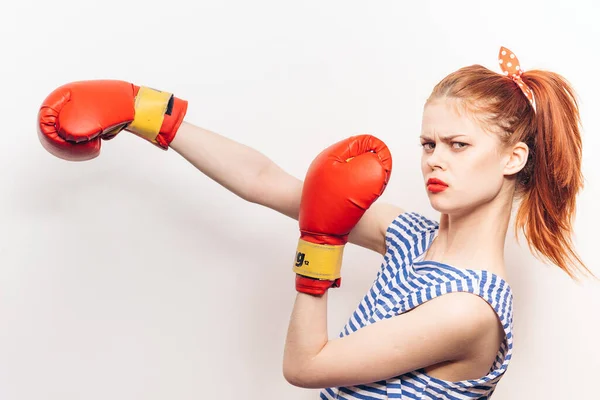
(435, 185)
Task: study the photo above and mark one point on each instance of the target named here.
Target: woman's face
(465, 158)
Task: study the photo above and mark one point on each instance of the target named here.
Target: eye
(428, 145)
(459, 145)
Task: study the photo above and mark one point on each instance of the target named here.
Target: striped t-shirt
(405, 281)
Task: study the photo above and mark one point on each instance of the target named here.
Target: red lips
(436, 181)
(435, 185)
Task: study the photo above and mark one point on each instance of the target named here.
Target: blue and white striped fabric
(403, 282)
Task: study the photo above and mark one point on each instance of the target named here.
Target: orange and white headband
(509, 63)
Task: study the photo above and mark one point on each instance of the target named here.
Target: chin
(446, 206)
(457, 207)
(442, 208)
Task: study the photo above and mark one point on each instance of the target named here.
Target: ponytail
(554, 178)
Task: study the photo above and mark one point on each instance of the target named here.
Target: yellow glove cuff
(319, 261)
(150, 107)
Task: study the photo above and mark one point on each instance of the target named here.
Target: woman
(437, 322)
(488, 139)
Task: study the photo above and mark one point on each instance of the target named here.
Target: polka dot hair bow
(509, 63)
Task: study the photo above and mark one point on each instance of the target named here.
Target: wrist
(315, 287)
(158, 115)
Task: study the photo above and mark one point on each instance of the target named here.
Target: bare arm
(231, 164)
(450, 328)
(255, 178)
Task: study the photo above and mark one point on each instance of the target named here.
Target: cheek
(483, 171)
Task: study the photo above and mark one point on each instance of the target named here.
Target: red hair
(551, 179)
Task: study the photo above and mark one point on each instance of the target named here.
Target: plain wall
(134, 276)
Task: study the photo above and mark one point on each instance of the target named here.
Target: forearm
(235, 166)
(307, 336)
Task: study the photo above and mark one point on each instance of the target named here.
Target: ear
(516, 158)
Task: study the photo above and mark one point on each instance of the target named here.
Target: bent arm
(449, 328)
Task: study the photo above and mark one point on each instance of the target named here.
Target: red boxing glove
(74, 118)
(340, 185)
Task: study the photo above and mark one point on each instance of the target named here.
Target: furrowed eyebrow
(443, 138)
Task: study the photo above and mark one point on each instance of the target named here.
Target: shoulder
(384, 220)
(412, 222)
(464, 317)
(462, 306)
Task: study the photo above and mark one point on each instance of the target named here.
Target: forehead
(444, 117)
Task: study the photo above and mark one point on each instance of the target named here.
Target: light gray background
(133, 276)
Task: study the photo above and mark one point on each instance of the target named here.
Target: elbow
(298, 376)
(255, 189)
(291, 374)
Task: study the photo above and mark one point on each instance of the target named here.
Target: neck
(474, 240)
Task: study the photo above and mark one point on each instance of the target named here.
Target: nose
(435, 159)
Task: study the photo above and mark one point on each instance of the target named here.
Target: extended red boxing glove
(74, 118)
(342, 182)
